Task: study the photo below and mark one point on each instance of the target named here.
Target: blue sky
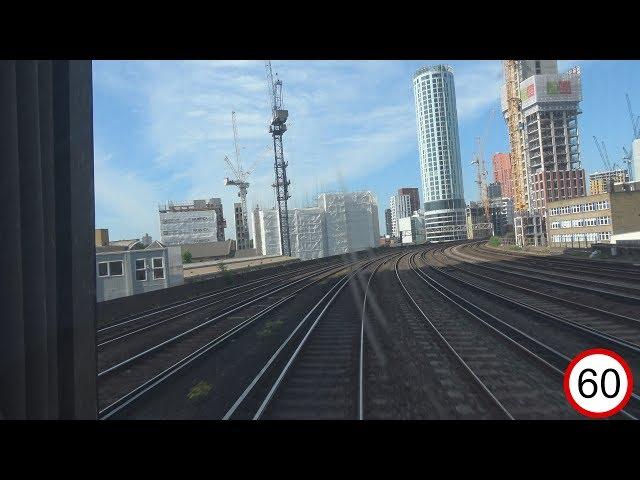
(162, 129)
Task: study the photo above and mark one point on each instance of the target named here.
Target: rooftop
(433, 69)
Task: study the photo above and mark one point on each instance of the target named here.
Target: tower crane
(602, 150)
(481, 169)
(513, 117)
(277, 128)
(240, 181)
(635, 121)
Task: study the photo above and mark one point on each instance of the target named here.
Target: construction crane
(481, 170)
(240, 181)
(513, 115)
(602, 150)
(276, 129)
(635, 121)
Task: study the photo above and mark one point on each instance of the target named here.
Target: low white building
(127, 267)
(412, 230)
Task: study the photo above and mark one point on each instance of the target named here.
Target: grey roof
(120, 246)
(208, 249)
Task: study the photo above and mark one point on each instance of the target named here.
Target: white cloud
(126, 200)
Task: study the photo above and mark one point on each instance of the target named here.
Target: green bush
(187, 257)
(226, 274)
(494, 241)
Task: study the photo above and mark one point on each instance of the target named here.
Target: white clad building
(341, 223)
(351, 221)
(270, 232)
(439, 146)
(412, 229)
(187, 223)
(400, 206)
(635, 164)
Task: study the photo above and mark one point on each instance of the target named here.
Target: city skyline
(162, 129)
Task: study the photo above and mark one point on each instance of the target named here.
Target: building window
(158, 268)
(103, 269)
(141, 269)
(115, 268)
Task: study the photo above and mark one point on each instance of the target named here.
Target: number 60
(582, 382)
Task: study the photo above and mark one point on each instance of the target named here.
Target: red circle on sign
(609, 353)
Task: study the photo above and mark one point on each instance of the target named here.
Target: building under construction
(602, 182)
(478, 225)
(340, 223)
(191, 222)
(541, 108)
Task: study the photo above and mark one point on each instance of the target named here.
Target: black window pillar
(47, 274)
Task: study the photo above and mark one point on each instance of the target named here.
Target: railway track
(623, 273)
(605, 289)
(153, 316)
(544, 336)
(522, 381)
(125, 382)
(413, 334)
(315, 372)
(585, 302)
(114, 351)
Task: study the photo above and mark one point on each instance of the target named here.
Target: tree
(187, 257)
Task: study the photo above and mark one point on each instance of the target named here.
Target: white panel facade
(335, 209)
(306, 228)
(341, 223)
(270, 232)
(362, 220)
(195, 226)
(635, 155)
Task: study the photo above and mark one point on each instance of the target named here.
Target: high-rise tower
(439, 145)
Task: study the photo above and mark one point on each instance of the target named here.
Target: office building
(602, 182)
(494, 190)
(414, 197)
(502, 173)
(439, 147)
(388, 221)
(243, 241)
(610, 217)
(400, 206)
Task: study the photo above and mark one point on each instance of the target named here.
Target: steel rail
(455, 254)
(199, 307)
(467, 306)
(444, 341)
(546, 315)
(325, 304)
(131, 396)
(182, 303)
(190, 331)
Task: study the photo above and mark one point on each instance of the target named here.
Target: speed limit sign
(598, 383)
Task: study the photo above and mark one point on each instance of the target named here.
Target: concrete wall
(625, 212)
